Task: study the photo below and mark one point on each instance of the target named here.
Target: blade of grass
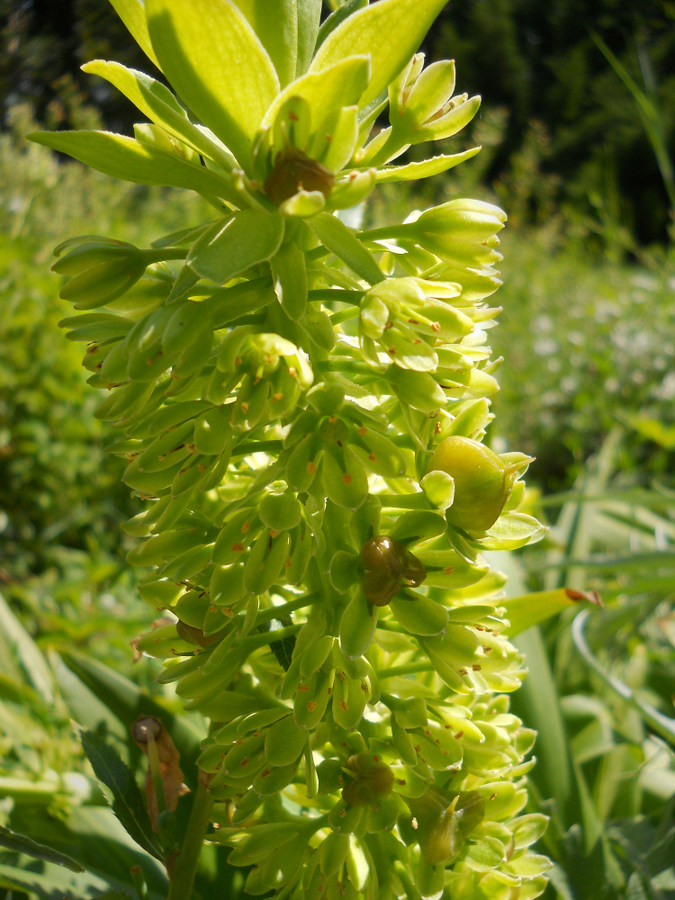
(658, 722)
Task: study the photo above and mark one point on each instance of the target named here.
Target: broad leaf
(309, 19)
(132, 13)
(338, 85)
(348, 8)
(20, 843)
(423, 169)
(390, 31)
(276, 25)
(130, 160)
(53, 884)
(158, 104)
(235, 244)
(216, 64)
(532, 609)
(342, 241)
(128, 803)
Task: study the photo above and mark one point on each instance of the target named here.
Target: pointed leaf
(276, 25)
(217, 64)
(231, 246)
(337, 17)
(158, 104)
(20, 843)
(132, 13)
(344, 243)
(309, 19)
(289, 276)
(423, 169)
(130, 160)
(341, 84)
(390, 31)
(127, 801)
(532, 609)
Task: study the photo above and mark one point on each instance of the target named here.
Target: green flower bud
(372, 780)
(483, 482)
(100, 269)
(443, 829)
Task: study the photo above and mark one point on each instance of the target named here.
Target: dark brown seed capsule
(295, 171)
(387, 567)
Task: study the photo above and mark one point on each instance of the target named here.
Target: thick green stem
(182, 876)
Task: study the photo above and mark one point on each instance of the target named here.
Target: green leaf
(27, 653)
(289, 276)
(532, 609)
(20, 843)
(159, 105)
(423, 169)
(114, 895)
(235, 244)
(309, 19)
(130, 160)
(337, 17)
(390, 31)
(276, 25)
(336, 86)
(217, 64)
(132, 13)
(344, 243)
(128, 803)
(52, 885)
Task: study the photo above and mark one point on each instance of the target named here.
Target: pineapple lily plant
(302, 405)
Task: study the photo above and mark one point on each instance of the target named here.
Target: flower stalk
(303, 407)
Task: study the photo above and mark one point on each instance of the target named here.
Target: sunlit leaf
(130, 160)
(229, 81)
(390, 31)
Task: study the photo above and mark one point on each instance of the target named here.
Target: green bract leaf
(217, 64)
(309, 20)
(289, 277)
(390, 31)
(276, 25)
(340, 84)
(419, 615)
(425, 168)
(344, 243)
(235, 244)
(132, 13)
(159, 105)
(130, 160)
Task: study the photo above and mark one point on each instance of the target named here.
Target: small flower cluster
(302, 407)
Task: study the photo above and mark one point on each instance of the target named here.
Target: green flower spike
(302, 407)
